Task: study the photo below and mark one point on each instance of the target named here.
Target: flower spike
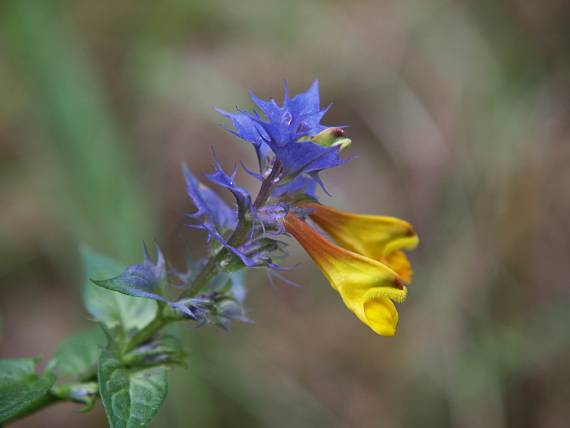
(363, 260)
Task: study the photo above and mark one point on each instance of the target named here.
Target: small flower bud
(332, 137)
(85, 393)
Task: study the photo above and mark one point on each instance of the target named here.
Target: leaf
(110, 307)
(131, 396)
(139, 280)
(20, 387)
(77, 356)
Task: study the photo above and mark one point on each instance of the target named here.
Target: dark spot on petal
(337, 132)
(399, 283)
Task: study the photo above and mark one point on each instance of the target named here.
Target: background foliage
(459, 118)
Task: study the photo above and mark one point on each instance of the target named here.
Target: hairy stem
(206, 274)
(267, 185)
(157, 324)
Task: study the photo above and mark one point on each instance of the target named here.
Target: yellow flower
(378, 237)
(367, 286)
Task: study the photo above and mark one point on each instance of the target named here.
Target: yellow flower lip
(366, 286)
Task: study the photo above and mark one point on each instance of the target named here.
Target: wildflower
(370, 271)
(381, 238)
(366, 265)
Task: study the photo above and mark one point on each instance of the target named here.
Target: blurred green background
(459, 116)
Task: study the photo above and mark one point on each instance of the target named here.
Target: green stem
(157, 324)
(206, 274)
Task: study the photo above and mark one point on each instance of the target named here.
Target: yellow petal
(381, 316)
(375, 310)
(364, 284)
(376, 237)
(399, 262)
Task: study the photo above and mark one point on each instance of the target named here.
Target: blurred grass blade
(107, 208)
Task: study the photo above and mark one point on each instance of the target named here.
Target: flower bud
(332, 137)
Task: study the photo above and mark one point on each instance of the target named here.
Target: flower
(285, 134)
(370, 271)
(381, 238)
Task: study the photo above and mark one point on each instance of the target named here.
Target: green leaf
(77, 356)
(145, 280)
(131, 396)
(21, 388)
(109, 307)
